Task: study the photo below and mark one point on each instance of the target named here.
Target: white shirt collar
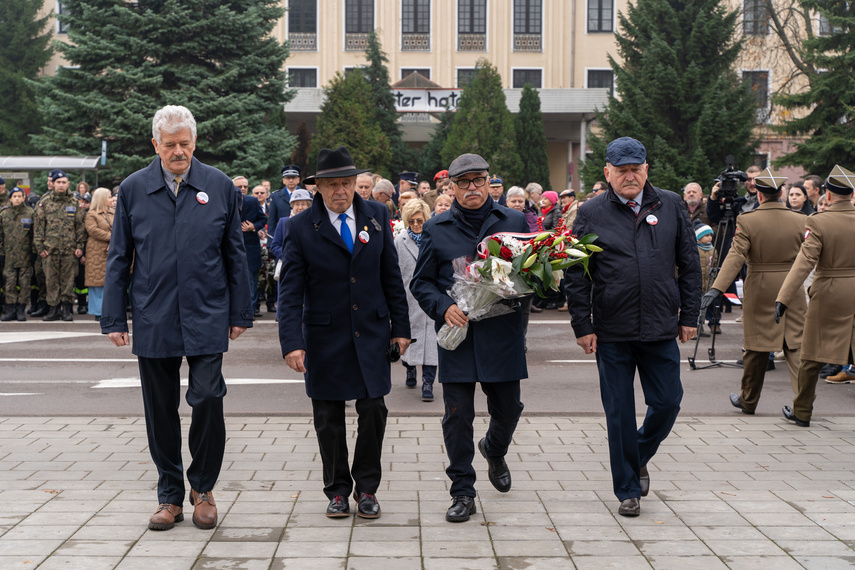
(333, 216)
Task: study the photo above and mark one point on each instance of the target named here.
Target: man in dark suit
(252, 220)
(279, 207)
(177, 222)
(339, 289)
(493, 352)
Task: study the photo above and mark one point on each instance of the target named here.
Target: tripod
(723, 235)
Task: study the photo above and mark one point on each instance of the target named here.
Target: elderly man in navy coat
(342, 305)
(493, 352)
(177, 224)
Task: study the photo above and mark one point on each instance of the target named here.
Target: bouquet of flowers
(512, 265)
(397, 227)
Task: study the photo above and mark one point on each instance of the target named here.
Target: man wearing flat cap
(342, 305)
(569, 207)
(768, 239)
(638, 310)
(829, 334)
(492, 353)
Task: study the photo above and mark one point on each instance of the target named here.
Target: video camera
(728, 179)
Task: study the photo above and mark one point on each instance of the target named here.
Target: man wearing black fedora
(342, 305)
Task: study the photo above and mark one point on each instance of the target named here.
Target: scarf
(545, 211)
(472, 218)
(417, 238)
(705, 246)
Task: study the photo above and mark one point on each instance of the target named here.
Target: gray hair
(516, 191)
(171, 119)
(385, 186)
(532, 186)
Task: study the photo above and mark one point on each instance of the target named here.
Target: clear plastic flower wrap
(478, 296)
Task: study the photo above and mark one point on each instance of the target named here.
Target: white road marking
(697, 361)
(20, 394)
(135, 382)
(68, 359)
(7, 337)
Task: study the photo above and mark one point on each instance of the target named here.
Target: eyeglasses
(464, 183)
(415, 222)
(243, 185)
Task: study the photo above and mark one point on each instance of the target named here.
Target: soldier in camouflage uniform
(59, 240)
(16, 244)
(38, 293)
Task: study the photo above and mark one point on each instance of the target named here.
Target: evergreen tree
(216, 57)
(377, 74)
(347, 119)
(24, 50)
(431, 161)
(825, 111)
(679, 94)
(300, 156)
(483, 125)
(531, 139)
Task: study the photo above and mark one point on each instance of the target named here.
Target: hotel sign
(426, 100)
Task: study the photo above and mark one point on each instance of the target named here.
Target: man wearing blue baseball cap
(637, 309)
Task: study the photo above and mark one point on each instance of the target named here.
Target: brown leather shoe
(629, 507)
(204, 509)
(165, 517)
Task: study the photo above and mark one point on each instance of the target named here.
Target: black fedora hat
(333, 164)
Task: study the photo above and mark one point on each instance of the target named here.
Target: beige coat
(99, 226)
(768, 239)
(830, 245)
(570, 215)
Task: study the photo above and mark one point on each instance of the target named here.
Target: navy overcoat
(279, 207)
(190, 277)
(493, 350)
(342, 309)
(250, 211)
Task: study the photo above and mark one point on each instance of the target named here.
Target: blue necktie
(345, 233)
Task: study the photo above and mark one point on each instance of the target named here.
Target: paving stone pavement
(726, 492)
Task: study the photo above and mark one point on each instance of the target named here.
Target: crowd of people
(357, 271)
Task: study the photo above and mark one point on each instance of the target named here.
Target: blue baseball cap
(625, 150)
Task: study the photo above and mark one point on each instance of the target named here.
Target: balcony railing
(303, 41)
(472, 42)
(355, 42)
(527, 42)
(415, 42)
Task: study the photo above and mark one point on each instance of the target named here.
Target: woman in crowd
(99, 227)
(549, 211)
(423, 352)
(533, 192)
(443, 204)
(797, 200)
(517, 201)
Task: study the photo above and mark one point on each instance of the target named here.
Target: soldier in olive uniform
(39, 307)
(59, 240)
(768, 239)
(830, 322)
(16, 243)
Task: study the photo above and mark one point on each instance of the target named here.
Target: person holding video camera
(768, 239)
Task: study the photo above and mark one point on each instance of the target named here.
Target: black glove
(709, 298)
(780, 308)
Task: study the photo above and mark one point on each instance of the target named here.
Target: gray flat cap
(301, 194)
(625, 150)
(466, 163)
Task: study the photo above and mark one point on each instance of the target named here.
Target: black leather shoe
(338, 507)
(630, 507)
(52, 314)
(461, 509)
(644, 477)
(789, 415)
(736, 402)
(367, 506)
(498, 472)
(257, 314)
(40, 310)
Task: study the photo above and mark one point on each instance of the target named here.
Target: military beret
(625, 150)
(300, 194)
(2, 181)
(840, 181)
(57, 174)
(768, 183)
(291, 170)
(440, 175)
(13, 190)
(466, 163)
(409, 177)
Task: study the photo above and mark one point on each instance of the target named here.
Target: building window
(523, 76)
(303, 25)
(359, 16)
(304, 77)
(415, 25)
(472, 25)
(465, 77)
(410, 70)
(761, 160)
(826, 29)
(61, 27)
(759, 83)
(755, 19)
(527, 16)
(600, 15)
(601, 78)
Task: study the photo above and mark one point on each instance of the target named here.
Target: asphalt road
(61, 369)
